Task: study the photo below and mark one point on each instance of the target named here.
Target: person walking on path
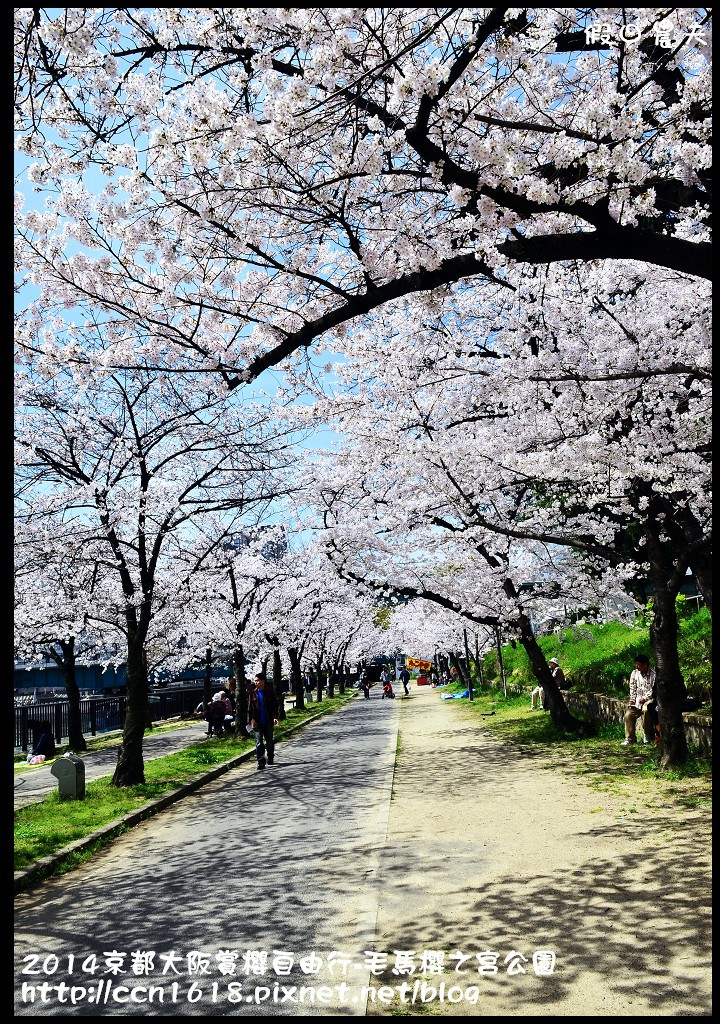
(405, 679)
(365, 683)
(263, 714)
(642, 699)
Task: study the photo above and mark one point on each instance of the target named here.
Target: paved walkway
(490, 851)
(286, 859)
(35, 784)
(436, 838)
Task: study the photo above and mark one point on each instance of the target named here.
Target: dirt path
(488, 850)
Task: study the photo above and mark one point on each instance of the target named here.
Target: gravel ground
(489, 851)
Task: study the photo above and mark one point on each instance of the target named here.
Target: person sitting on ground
(641, 703)
(44, 742)
(216, 715)
(538, 693)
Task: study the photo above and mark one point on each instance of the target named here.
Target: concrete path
(461, 850)
(282, 860)
(34, 784)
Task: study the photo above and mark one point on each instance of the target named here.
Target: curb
(28, 877)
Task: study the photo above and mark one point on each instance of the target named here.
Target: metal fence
(100, 714)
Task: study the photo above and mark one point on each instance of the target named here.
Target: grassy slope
(600, 658)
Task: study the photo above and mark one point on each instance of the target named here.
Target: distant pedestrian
(641, 703)
(228, 703)
(229, 693)
(405, 679)
(263, 713)
(365, 683)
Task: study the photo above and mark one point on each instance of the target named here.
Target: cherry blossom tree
(274, 174)
(498, 218)
(134, 464)
(60, 597)
(228, 586)
(531, 442)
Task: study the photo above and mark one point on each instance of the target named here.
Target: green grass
(600, 658)
(104, 741)
(597, 751)
(44, 827)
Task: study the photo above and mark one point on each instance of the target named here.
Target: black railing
(100, 714)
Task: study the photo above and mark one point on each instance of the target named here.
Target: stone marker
(70, 773)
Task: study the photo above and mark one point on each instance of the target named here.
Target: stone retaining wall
(599, 707)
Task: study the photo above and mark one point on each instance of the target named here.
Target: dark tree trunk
(278, 684)
(501, 664)
(130, 769)
(319, 681)
(297, 676)
(698, 546)
(332, 672)
(241, 701)
(457, 664)
(667, 575)
(341, 678)
(468, 665)
(702, 570)
(559, 712)
(66, 664)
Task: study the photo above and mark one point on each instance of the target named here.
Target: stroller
(387, 691)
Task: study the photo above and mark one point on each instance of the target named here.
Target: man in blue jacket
(405, 680)
(263, 716)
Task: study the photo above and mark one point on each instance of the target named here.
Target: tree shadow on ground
(272, 860)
